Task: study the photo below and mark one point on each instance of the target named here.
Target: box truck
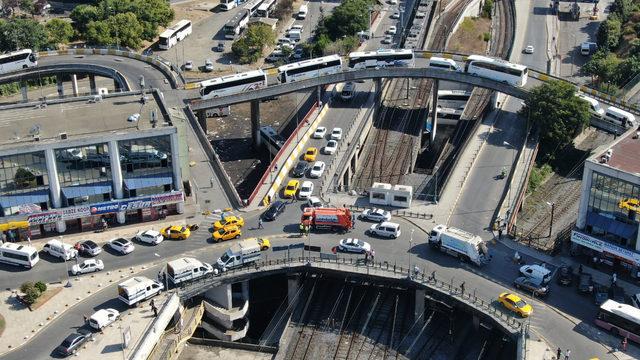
(459, 243)
(336, 219)
(138, 288)
(243, 253)
(186, 269)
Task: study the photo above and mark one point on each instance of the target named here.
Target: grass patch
(46, 296)
(471, 36)
(539, 174)
(3, 324)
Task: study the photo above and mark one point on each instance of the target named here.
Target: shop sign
(58, 215)
(603, 246)
(137, 203)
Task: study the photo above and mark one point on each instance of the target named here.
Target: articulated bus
(175, 33)
(236, 24)
(17, 60)
(265, 8)
(620, 319)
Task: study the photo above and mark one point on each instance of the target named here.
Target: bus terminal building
(74, 165)
(608, 223)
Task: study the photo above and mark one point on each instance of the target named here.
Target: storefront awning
(70, 192)
(148, 181)
(611, 226)
(34, 197)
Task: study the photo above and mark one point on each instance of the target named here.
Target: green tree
(11, 5)
(487, 9)
(609, 32)
(249, 47)
(59, 31)
(603, 65)
(82, 15)
(282, 10)
(126, 29)
(349, 18)
(151, 14)
(31, 292)
(627, 69)
(28, 6)
(99, 32)
(623, 8)
(41, 286)
(558, 114)
(18, 33)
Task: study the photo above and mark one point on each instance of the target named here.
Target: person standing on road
(567, 354)
(558, 353)
(85, 318)
(154, 308)
(373, 256)
(366, 257)
(623, 344)
(614, 278)
(260, 223)
(462, 289)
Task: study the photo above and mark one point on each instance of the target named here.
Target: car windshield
(310, 152)
(224, 258)
(317, 167)
(521, 304)
(221, 231)
(183, 229)
(291, 187)
(90, 244)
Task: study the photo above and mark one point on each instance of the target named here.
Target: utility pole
(553, 207)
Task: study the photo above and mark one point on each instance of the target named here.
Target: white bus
(253, 6)
(495, 69)
(621, 319)
(233, 84)
(461, 95)
(271, 139)
(234, 26)
(265, 8)
(381, 58)
(17, 254)
(227, 5)
(309, 69)
(17, 60)
(175, 33)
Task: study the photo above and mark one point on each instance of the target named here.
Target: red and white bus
(620, 319)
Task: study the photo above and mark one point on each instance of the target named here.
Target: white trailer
(138, 289)
(243, 253)
(187, 269)
(459, 243)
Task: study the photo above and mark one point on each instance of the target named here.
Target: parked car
(336, 134)
(123, 246)
(88, 248)
(87, 266)
(274, 210)
(532, 285)
(374, 214)
(395, 15)
(152, 237)
(72, 343)
(103, 318)
(317, 169)
(300, 169)
(291, 189)
(565, 275)
(177, 232)
(306, 189)
(392, 30)
(585, 283)
(314, 202)
(298, 53)
(331, 147)
(310, 154)
(320, 132)
(208, 65)
(388, 39)
(515, 303)
(188, 65)
(219, 47)
(228, 220)
(354, 245)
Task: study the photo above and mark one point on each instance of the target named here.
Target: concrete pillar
(60, 86)
(25, 90)
(116, 176)
(378, 90)
(74, 84)
(92, 84)
(177, 169)
(418, 314)
(54, 185)
(434, 106)
(255, 123)
(220, 295)
(293, 285)
(319, 94)
(202, 119)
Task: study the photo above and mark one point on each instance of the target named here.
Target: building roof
(624, 154)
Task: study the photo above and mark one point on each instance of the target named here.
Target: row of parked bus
(495, 69)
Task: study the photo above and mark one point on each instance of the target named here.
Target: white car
(103, 318)
(336, 134)
(134, 117)
(305, 190)
(354, 245)
(529, 49)
(392, 30)
(123, 246)
(388, 39)
(393, 2)
(87, 266)
(315, 202)
(317, 169)
(152, 237)
(331, 147)
(296, 27)
(395, 15)
(188, 65)
(377, 215)
(320, 132)
(208, 65)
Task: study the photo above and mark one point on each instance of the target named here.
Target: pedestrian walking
(623, 344)
(366, 257)
(160, 277)
(154, 308)
(558, 353)
(580, 269)
(462, 289)
(614, 278)
(85, 318)
(373, 256)
(260, 223)
(302, 229)
(212, 182)
(500, 233)
(433, 275)
(567, 354)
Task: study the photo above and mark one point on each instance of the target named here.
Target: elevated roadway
(68, 68)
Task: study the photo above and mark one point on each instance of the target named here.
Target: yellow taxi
(291, 189)
(310, 154)
(514, 303)
(227, 233)
(265, 244)
(178, 232)
(227, 221)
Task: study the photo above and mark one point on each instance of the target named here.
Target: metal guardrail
(397, 212)
(48, 70)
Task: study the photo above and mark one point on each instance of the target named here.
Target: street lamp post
(553, 207)
(410, 246)
(66, 266)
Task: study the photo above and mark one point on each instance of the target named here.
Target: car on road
(122, 246)
(374, 214)
(393, 2)
(310, 154)
(208, 65)
(300, 169)
(421, 14)
(585, 283)
(87, 266)
(515, 303)
(73, 342)
(385, 229)
(395, 15)
(176, 232)
(388, 39)
(305, 190)
(315, 202)
(320, 132)
(336, 134)
(330, 148)
(103, 318)
(531, 285)
(291, 189)
(392, 30)
(529, 49)
(227, 233)
(152, 237)
(188, 65)
(565, 275)
(88, 248)
(317, 169)
(228, 220)
(134, 117)
(354, 245)
(274, 210)
(298, 27)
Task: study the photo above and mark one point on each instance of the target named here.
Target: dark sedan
(300, 169)
(88, 248)
(585, 283)
(72, 343)
(274, 210)
(565, 275)
(533, 286)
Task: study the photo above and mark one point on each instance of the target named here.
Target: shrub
(25, 286)
(41, 286)
(538, 176)
(486, 37)
(31, 292)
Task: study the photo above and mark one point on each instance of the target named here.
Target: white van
(186, 269)
(619, 117)
(594, 106)
(103, 318)
(60, 250)
(295, 35)
(348, 91)
(385, 229)
(245, 252)
(538, 272)
(138, 288)
(302, 13)
(445, 64)
(17, 254)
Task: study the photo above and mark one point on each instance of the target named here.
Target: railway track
(350, 323)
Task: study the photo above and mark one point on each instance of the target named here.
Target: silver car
(354, 245)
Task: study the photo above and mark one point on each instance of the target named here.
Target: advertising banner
(603, 246)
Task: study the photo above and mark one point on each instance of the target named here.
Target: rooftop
(623, 155)
(78, 119)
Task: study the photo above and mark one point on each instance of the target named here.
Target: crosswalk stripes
(213, 217)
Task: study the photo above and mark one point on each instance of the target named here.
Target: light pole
(66, 266)
(553, 207)
(410, 246)
(166, 278)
